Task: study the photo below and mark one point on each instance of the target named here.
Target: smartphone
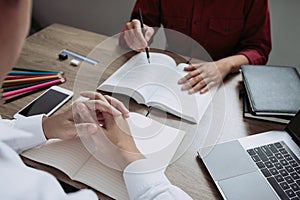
(47, 103)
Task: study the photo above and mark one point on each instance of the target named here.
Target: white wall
(285, 25)
(101, 16)
(109, 16)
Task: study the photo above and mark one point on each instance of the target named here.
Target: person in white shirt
(21, 182)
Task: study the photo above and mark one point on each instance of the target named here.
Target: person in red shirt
(233, 32)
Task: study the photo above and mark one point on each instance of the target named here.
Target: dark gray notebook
(272, 90)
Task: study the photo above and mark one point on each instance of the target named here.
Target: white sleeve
(31, 125)
(21, 182)
(150, 185)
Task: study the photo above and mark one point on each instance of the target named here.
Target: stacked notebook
(272, 92)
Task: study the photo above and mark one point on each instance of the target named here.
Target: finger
(108, 121)
(117, 104)
(86, 129)
(199, 86)
(191, 82)
(149, 33)
(140, 39)
(190, 75)
(207, 87)
(130, 39)
(93, 95)
(95, 105)
(85, 116)
(189, 68)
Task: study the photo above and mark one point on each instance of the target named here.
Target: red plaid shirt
(223, 28)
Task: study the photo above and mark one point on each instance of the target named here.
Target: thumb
(86, 129)
(149, 33)
(108, 120)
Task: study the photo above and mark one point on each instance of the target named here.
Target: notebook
(156, 141)
(247, 112)
(155, 84)
(272, 90)
(262, 166)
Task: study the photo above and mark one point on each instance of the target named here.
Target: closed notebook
(272, 90)
(247, 112)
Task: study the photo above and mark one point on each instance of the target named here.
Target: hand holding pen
(137, 35)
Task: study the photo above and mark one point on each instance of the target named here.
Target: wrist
(130, 157)
(47, 128)
(225, 67)
(232, 64)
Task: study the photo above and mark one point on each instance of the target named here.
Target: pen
(143, 30)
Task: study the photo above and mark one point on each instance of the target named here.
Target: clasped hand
(101, 121)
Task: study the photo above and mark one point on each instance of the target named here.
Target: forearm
(232, 64)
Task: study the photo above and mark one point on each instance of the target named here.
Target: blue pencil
(15, 68)
(31, 73)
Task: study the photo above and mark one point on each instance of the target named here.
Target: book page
(171, 98)
(65, 155)
(137, 76)
(102, 178)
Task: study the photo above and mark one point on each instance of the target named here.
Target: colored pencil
(10, 77)
(31, 79)
(42, 85)
(16, 87)
(18, 96)
(33, 70)
(30, 73)
(24, 82)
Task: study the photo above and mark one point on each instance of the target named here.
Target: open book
(156, 141)
(155, 84)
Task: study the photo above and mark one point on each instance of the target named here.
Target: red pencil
(12, 77)
(14, 92)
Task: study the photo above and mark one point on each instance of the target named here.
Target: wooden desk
(222, 121)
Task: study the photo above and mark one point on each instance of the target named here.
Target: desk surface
(223, 120)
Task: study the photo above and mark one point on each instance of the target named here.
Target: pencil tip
(148, 60)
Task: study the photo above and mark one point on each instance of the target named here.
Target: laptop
(263, 166)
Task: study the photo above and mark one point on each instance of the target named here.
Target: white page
(174, 100)
(138, 75)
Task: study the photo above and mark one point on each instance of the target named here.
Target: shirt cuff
(34, 126)
(254, 57)
(137, 179)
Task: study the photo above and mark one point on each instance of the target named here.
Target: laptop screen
(293, 128)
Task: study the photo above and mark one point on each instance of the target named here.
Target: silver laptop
(263, 166)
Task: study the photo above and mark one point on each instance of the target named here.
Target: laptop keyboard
(281, 168)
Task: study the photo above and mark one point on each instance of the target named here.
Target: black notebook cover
(247, 113)
(272, 90)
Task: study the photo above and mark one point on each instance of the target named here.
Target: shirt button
(196, 22)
